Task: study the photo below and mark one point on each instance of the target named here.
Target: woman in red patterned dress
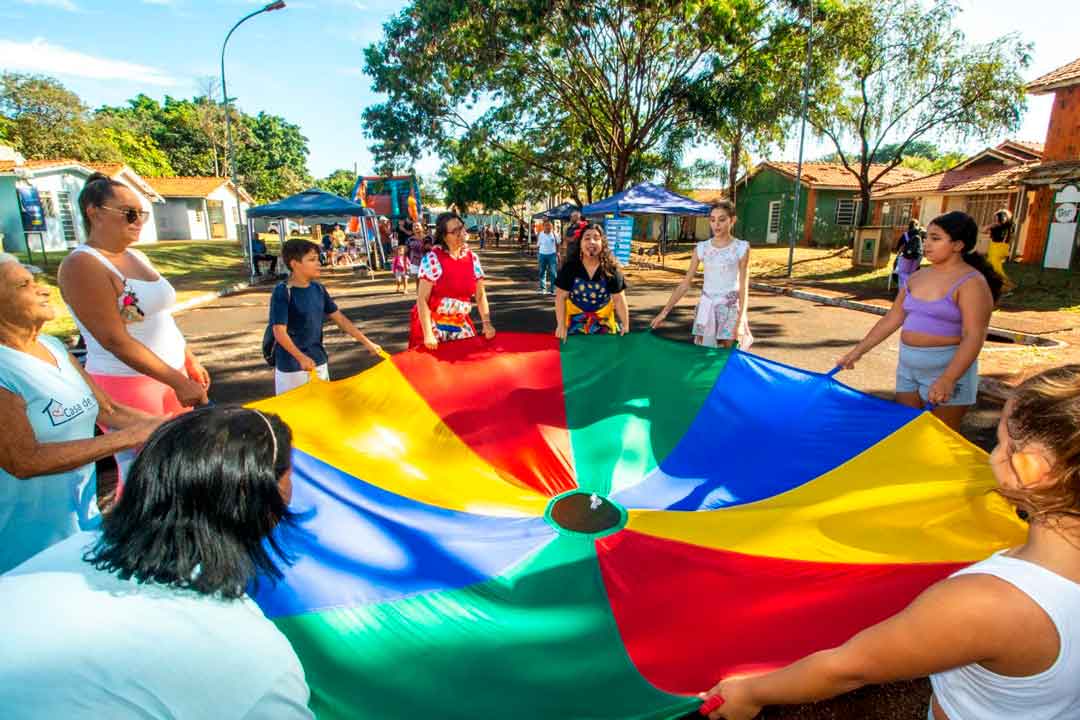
(450, 275)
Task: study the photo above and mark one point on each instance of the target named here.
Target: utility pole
(802, 141)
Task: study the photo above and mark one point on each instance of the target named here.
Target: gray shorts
(919, 367)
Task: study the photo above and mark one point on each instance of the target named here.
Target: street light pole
(802, 140)
(269, 7)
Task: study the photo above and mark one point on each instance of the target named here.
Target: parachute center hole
(585, 513)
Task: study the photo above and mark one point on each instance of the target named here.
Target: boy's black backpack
(912, 245)
(268, 342)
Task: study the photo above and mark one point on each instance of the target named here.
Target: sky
(305, 62)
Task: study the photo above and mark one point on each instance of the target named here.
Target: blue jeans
(547, 269)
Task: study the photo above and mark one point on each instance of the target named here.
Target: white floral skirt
(717, 318)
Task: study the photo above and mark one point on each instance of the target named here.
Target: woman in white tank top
(122, 307)
(1000, 639)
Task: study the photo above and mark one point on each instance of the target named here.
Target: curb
(1017, 337)
(210, 297)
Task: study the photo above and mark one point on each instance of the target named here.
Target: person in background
(590, 291)
(260, 254)
(298, 308)
(417, 251)
(450, 276)
(149, 618)
(1000, 235)
(400, 268)
(50, 406)
(909, 253)
(942, 315)
(571, 235)
(547, 253)
(998, 638)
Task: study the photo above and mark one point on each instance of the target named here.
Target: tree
(905, 74)
(339, 182)
(615, 74)
(271, 156)
(43, 118)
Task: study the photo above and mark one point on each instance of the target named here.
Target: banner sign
(620, 232)
(33, 214)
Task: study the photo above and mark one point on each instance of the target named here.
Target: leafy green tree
(905, 74)
(613, 74)
(339, 182)
(271, 157)
(43, 118)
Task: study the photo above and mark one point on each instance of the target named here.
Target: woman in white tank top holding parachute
(123, 308)
(999, 639)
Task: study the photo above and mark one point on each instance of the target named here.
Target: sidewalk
(1047, 337)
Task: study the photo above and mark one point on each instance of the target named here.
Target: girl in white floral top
(721, 313)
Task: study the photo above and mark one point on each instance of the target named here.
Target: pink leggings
(142, 393)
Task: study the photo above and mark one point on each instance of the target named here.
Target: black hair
(97, 191)
(295, 249)
(962, 228)
(440, 227)
(608, 264)
(200, 505)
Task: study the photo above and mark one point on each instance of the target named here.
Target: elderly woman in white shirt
(48, 488)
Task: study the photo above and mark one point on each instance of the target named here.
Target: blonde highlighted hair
(1046, 410)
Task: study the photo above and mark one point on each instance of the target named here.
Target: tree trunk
(733, 164)
(864, 206)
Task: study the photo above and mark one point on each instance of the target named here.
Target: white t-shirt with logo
(39, 511)
(546, 244)
(84, 644)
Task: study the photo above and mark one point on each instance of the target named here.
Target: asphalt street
(226, 334)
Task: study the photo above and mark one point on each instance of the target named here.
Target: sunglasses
(130, 214)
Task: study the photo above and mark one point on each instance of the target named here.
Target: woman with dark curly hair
(942, 315)
(590, 291)
(450, 276)
(150, 617)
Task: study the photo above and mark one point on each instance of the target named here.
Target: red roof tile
(961, 181)
(1064, 76)
(708, 195)
(835, 175)
(194, 187)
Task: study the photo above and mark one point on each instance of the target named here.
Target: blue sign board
(33, 215)
(620, 233)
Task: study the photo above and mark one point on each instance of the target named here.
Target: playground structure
(396, 197)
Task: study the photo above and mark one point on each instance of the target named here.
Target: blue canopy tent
(317, 203)
(647, 199)
(559, 212)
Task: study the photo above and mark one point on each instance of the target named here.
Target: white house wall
(71, 182)
(54, 183)
(225, 195)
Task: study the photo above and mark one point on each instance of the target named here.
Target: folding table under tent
(647, 199)
(317, 203)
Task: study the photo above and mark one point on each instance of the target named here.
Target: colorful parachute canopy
(603, 528)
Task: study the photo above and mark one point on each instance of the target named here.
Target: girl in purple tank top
(943, 314)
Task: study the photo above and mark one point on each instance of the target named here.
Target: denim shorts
(919, 367)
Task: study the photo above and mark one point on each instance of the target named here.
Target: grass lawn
(193, 268)
(1057, 290)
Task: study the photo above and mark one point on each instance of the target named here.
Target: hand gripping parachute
(603, 528)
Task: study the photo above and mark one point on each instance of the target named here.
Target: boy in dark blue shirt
(298, 308)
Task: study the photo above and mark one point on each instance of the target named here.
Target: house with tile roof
(59, 182)
(200, 208)
(1042, 240)
(829, 202)
(980, 186)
